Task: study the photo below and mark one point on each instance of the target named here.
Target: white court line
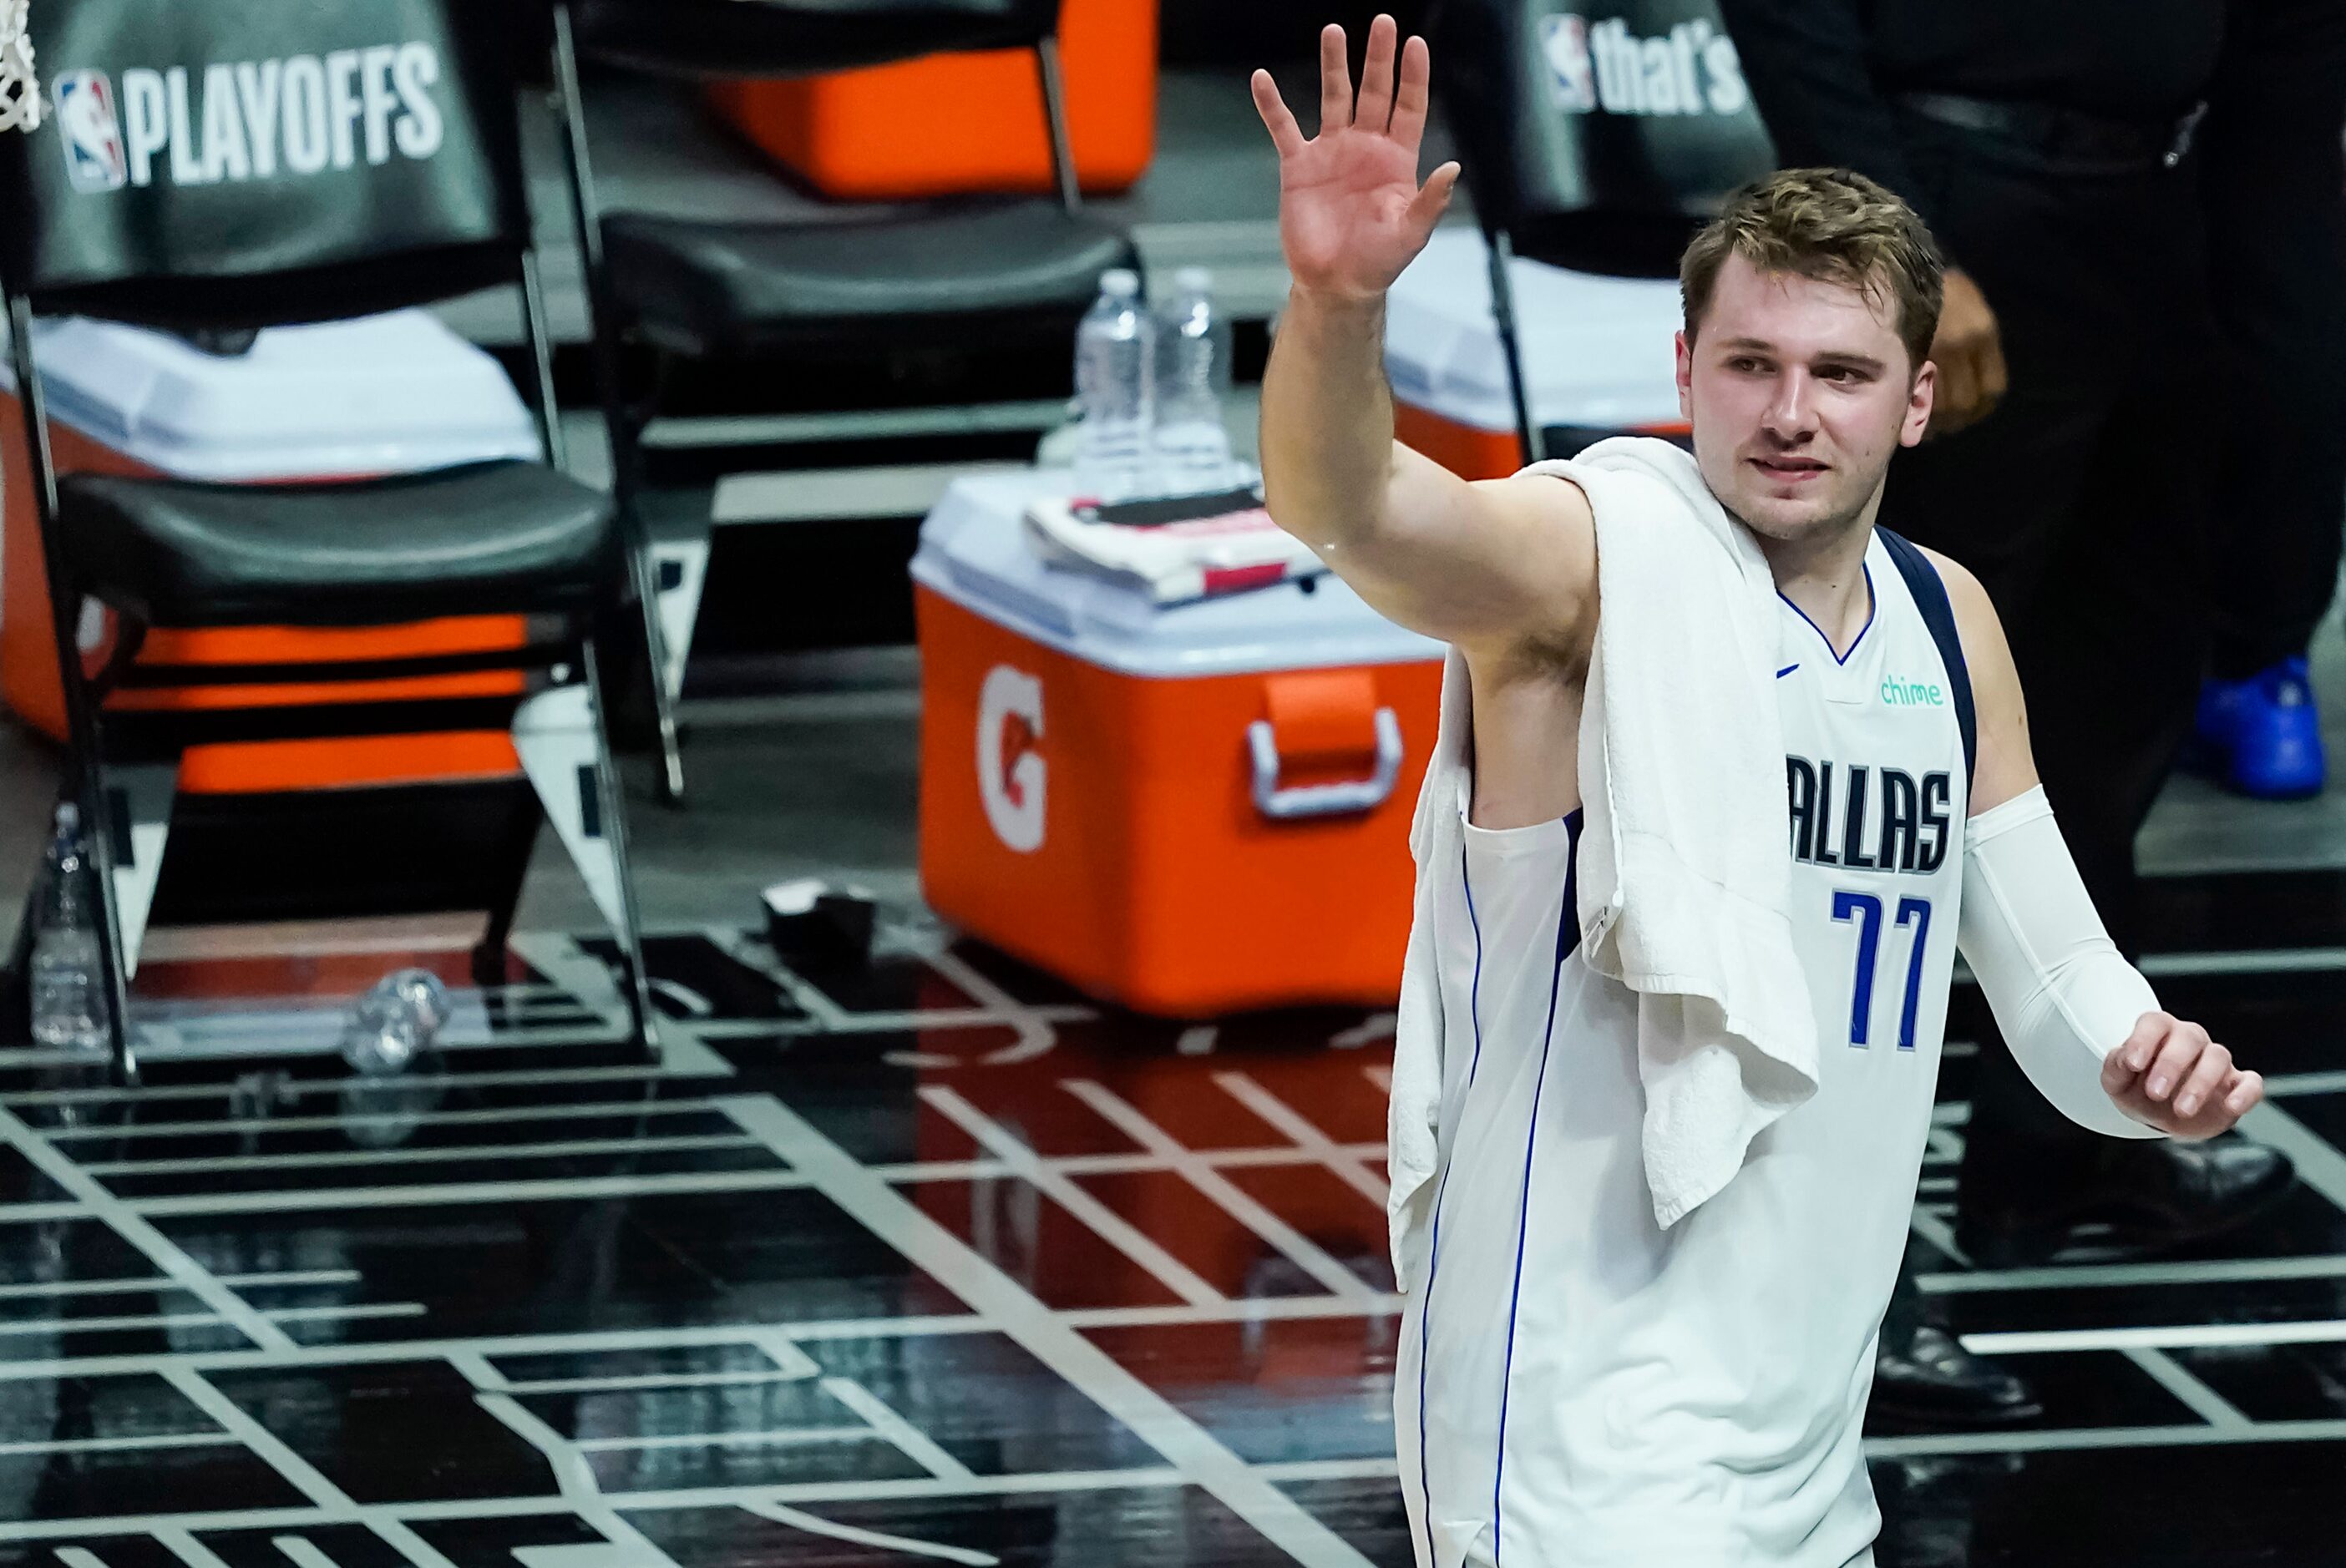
(1112, 1227)
(330, 1159)
(121, 1444)
(2171, 1336)
(915, 1444)
(2060, 1440)
(1035, 1035)
(2270, 961)
(1381, 1077)
(304, 1551)
(2284, 1084)
(1938, 1233)
(1305, 1134)
(2090, 1276)
(2319, 1164)
(513, 1077)
(861, 1537)
(554, 1111)
(163, 1282)
(428, 1195)
(2177, 1380)
(793, 1436)
(299, 1473)
(160, 1249)
(573, 1476)
(926, 1244)
(183, 1545)
(12, 1327)
(648, 1381)
(1116, 1164)
(1010, 1484)
(766, 1337)
(756, 956)
(1218, 1189)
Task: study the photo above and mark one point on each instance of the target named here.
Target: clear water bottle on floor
(395, 1024)
(1115, 350)
(70, 994)
(1193, 375)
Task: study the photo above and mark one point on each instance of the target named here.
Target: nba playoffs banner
(1636, 108)
(192, 137)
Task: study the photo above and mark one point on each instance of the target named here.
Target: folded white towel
(1685, 864)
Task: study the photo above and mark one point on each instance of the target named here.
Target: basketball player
(1577, 1385)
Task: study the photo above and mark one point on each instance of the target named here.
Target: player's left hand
(2169, 1074)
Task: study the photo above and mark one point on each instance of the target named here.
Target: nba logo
(1572, 75)
(91, 131)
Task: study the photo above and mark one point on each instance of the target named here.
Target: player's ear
(1919, 398)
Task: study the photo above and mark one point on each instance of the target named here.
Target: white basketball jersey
(1578, 1386)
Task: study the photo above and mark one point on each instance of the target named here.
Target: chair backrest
(796, 37)
(213, 164)
(1597, 134)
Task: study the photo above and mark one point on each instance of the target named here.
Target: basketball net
(20, 92)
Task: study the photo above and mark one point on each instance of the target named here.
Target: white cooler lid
(974, 551)
(1597, 351)
(393, 394)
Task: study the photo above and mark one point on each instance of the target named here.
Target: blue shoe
(2261, 737)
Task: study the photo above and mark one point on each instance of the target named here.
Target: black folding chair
(1593, 134)
(365, 157)
(959, 273)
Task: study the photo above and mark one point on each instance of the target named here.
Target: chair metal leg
(626, 458)
(100, 824)
(615, 831)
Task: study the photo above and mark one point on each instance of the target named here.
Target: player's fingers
(1376, 101)
(2178, 1054)
(2139, 1047)
(2205, 1081)
(2118, 1078)
(1285, 134)
(1335, 81)
(1411, 98)
(2247, 1090)
(1425, 207)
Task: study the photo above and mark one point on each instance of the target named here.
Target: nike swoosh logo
(1786, 670)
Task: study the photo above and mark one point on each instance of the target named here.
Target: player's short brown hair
(1827, 223)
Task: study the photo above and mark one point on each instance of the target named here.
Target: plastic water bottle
(70, 994)
(1193, 373)
(1115, 348)
(395, 1022)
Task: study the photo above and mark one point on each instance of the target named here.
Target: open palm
(1352, 213)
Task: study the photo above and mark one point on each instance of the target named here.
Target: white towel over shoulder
(1684, 865)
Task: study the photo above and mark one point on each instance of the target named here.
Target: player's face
(1800, 392)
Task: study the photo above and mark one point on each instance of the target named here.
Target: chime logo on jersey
(89, 130)
(1691, 70)
(252, 120)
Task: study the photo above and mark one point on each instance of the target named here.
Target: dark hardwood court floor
(931, 1261)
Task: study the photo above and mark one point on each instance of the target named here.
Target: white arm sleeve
(2060, 992)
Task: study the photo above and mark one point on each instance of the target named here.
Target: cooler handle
(1323, 799)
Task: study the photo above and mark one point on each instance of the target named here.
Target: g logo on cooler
(1011, 780)
(90, 131)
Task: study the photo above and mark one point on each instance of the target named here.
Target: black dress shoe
(1931, 1383)
(2150, 1195)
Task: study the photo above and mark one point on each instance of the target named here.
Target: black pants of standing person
(2273, 180)
(2081, 502)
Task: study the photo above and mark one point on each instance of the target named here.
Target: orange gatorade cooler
(1187, 811)
(1597, 356)
(381, 395)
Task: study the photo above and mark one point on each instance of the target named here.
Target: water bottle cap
(1122, 282)
(1194, 279)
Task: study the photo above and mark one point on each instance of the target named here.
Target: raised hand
(2170, 1076)
(1352, 213)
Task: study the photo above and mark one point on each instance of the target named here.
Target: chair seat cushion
(506, 537)
(951, 275)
